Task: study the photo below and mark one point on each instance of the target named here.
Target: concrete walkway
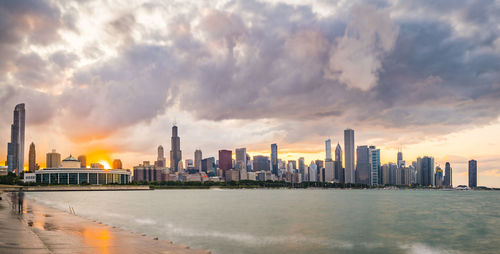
(42, 229)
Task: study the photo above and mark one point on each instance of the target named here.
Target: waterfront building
(71, 172)
(349, 156)
(261, 163)
(320, 168)
(472, 174)
(160, 160)
(385, 172)
(328, 150)
(363, 167)
(53, 159)
(117, 164)
(329, 171)
(252, 176)
(393, 173)
(274, 159)
(15, 148)
(448, 179)
(189, 164)
(438, 177)
(232, 175)
(197, 159)
(208, 166)
(32, 166)
(339, 169)
(425, 171)
(313, 172)
(241, 158)
(83, 161)
(375, 169)
(225, 160)
(150, 173)
(175, 152)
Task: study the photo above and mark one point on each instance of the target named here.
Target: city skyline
(108, 80)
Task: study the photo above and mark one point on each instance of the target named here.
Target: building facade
(472, 174)
(363, 167)
(274, 159)
(225, 160)
(53, 159)
(175, 152)
(32, 166)
(349, 156)
(15, 148)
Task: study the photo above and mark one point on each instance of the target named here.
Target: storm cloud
(421, 68)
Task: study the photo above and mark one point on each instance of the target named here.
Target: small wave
(145, 221)
(420, 248)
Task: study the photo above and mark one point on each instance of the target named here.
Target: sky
(109, 78)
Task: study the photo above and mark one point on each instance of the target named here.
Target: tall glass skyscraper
(375, 169)
(175, 152)
(339, 169)
(15, 148)
(472, 173)
(363, 167)
(328, 150)
(274, 159)
(448, 179)
(349, 155)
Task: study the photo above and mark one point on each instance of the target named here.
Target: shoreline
(45, 229)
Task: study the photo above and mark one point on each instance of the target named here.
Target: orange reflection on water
(99, 238)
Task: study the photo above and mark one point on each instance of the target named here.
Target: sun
(105, 164)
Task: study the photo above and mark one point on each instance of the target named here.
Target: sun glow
(105, 164)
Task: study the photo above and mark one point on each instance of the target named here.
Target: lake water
(300, 221)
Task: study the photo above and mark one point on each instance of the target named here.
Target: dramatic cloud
(396, 71)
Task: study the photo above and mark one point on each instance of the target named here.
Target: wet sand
(42, 229)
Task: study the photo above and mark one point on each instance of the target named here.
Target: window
(63, 178)
(102, 178)
(93, 178)
(54, 178)
(83, 178)
(73, 178)
(45, 178)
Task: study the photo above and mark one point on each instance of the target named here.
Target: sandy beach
(42, 229)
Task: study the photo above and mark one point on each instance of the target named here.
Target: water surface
(300, 221)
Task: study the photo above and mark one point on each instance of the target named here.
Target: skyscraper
(375, 169)
(15, 148)
(313, 172)
(438, 177)
(274, 159)
(160, 160)
(349, 155)
(175, 152)
(339, 169)
(117, 164)
(363, 167)
(241, 158)
(448, 179)
(427, 171)
(261, 162)
(197, 159)
(225, 160)
(83, 161)
(328, 150)
(401, 162)
(53, 159)
(472, 174)
(32, 158)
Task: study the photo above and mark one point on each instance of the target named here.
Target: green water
(301, 221)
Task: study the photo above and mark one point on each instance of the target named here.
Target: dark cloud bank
(251, 60)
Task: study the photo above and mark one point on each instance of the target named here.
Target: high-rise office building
(117, 164)
(363, 167)
(53, 159)
(426, 170)
(83, 161)
(339, 168)
(274, 159)
(448, 179)
(160, 160)
(32, 158)
(472, 174)
(328, 150)
(15, 148)
(301, 164)
(375, 169)
(197, 159)
(349, 156)
(401, 162)
(175, 152)
(208, 165)
(261, 163)
(225, 160)
(438, 177)
(241, 158)
(313, 172)
(329, 171)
